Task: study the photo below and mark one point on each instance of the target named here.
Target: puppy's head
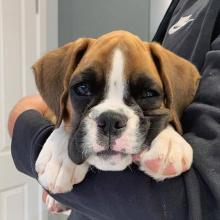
(114, 94)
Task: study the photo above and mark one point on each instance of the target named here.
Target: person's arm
(133, 195)
(34, 102)
(102, 195)
(26, 121)
(201, 124)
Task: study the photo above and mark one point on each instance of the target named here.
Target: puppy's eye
(149, 93)
(82, 89)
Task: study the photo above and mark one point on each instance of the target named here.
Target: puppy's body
(115, 94)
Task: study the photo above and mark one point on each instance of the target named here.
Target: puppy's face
(116, 101)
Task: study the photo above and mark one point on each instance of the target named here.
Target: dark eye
(149, 93)
(82, 89)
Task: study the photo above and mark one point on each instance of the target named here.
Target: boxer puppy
(114, 97)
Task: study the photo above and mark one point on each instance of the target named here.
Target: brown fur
(54, 71)
(180, 80)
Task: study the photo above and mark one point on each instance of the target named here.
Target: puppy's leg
(56, 172)
(169, 155)
(53, 206)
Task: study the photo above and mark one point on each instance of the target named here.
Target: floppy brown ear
(53, 71)
(180, 80)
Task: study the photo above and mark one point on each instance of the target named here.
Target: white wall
(52, 24)
(157, 11)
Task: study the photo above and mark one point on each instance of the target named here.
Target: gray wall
(91, 18)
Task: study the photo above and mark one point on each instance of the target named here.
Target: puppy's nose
(111, 123)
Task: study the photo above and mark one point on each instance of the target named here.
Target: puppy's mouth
(105, 154)
(110, 160)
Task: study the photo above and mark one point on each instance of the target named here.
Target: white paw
(53, 206)
(56, 172)
(169, 155)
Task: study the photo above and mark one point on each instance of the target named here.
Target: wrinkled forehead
(126, 53)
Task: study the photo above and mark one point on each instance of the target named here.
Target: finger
(49, 202)
(44, 196)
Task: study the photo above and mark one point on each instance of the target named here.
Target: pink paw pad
(153, 165)
(169, 170)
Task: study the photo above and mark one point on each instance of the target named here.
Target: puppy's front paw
(56, 172)
(169, 156)
(53, 206)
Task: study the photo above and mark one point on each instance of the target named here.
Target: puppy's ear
(180, 81)
(53, 71)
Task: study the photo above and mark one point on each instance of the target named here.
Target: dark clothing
(199, 42)
(130, 194)
(127, 195)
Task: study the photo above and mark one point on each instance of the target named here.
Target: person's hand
(34, 102)
(52, 205)
(169, 156)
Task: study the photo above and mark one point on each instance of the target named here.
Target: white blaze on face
(113, 101)
(115, 87)
(116, 80)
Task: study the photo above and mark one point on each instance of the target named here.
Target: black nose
(111, 123)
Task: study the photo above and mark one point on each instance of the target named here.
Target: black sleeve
(126, 195)
(201, 123)
(29, 134)
(162, 29)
